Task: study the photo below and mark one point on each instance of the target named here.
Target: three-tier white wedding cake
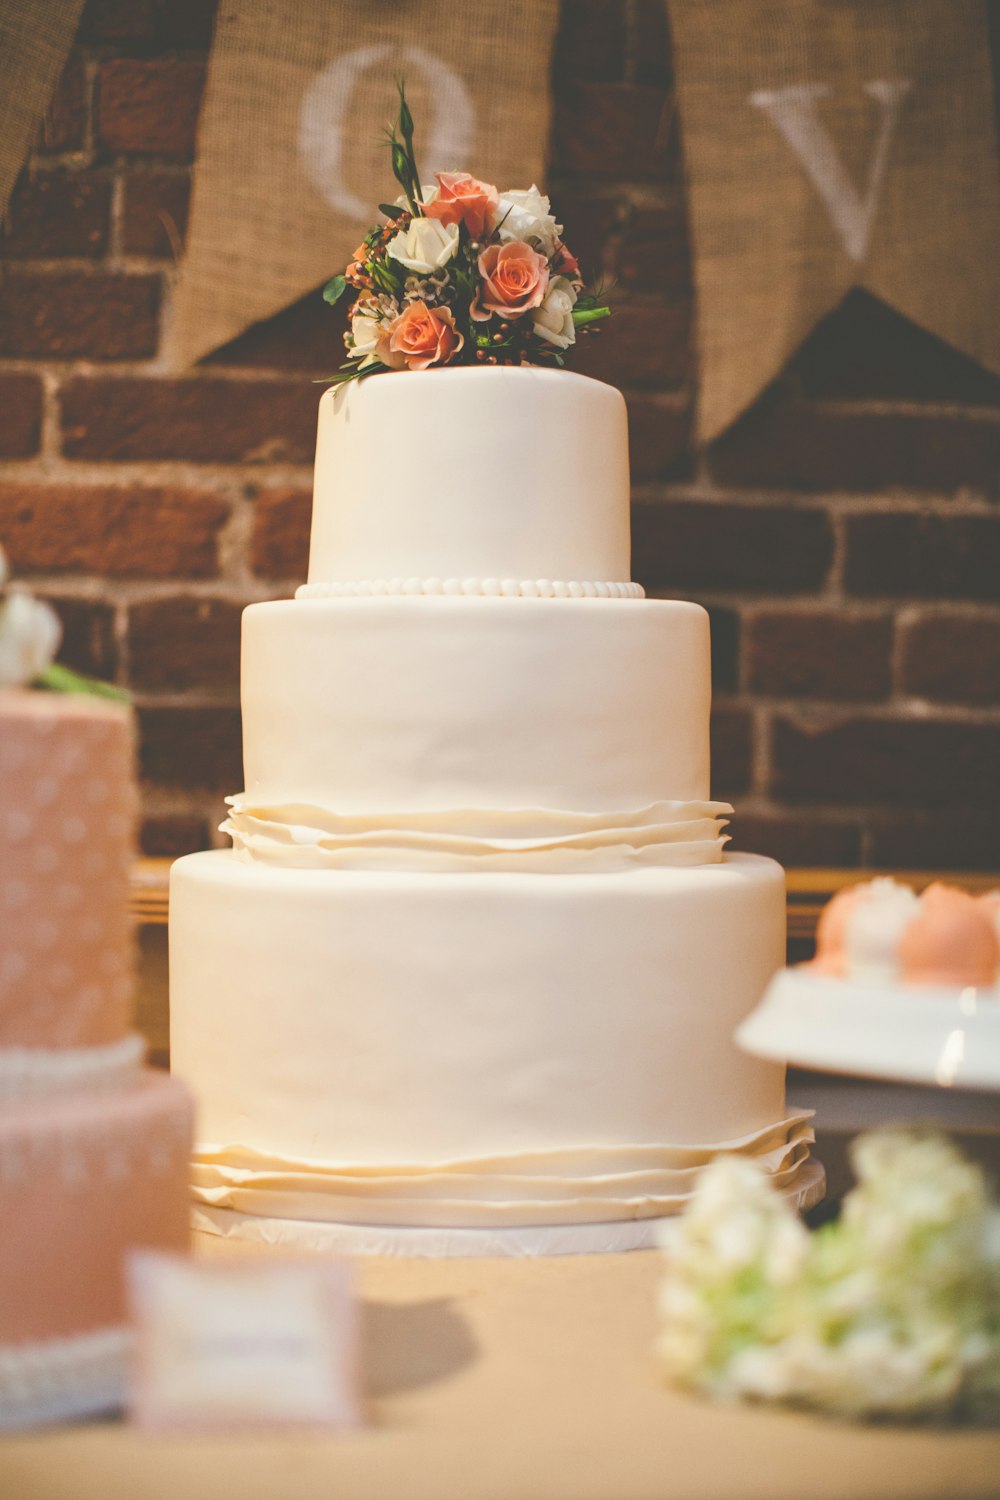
(476, 958)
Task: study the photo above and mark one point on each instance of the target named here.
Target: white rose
(364, 332)
(426, 246)
(523, 214)
(554, 318)
(427, 195)
(30, 633)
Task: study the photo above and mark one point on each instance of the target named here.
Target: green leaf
(583, 315)
(59, 679)
(390, 210)
(405, 117)
(334, 289)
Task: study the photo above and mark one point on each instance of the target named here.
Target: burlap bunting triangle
(291, 161)
(831, 144)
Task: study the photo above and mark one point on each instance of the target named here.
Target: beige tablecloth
(513, 1380)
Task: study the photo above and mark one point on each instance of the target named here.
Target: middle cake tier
(428, 705)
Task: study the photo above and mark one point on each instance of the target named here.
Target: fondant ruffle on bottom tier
(309, 837)
(585, 1185)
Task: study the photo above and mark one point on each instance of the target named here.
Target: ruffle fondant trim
(54, 1380)
(27, 1071)
(585, 1185)
(493, 588)
(309, 837)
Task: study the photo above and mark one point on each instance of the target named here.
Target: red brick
(185, 24)
(589, 223)
(590, 42)
(118, 21)
(650, 44)
(199, 420)
(191, 747)
(638, 346)
(613, 130)
(732, 749)
(184, 642)
(687, 543)
(280, 547)
(307, 336)
(149, 107)
(128, 532)
(72, 316)
(725, 627)
(868, 350)
(819, 653)
(902, 554)
(952, 658)
(88, 643)
(154, 213)
(169, 835)
(926, 763)
(797, 839)
(20, 415)
(653, 255)
(786, 444)
(659, 438)
(57, 213)
(958, 840)
(65, 125)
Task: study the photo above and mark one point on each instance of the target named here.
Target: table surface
(513, 1380)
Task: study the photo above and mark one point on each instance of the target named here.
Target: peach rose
(515, 278)
(425, 336)
(463, 199)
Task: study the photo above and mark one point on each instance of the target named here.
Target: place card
(238, 1343)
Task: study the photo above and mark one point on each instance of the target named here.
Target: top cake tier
(491, 473)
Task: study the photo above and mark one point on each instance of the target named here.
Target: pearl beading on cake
(26, 1071)
(494, 588)
(57, 1379)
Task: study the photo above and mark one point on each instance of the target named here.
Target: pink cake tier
(83, 1179)
(67, 813)
(94, 1148)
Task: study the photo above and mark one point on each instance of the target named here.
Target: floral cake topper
(460, 274)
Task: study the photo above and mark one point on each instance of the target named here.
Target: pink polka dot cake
(93, 1146)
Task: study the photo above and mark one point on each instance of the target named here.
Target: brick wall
(845, 536)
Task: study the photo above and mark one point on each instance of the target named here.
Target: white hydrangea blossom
(893, 1310)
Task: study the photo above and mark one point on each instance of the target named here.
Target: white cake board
(529, 1240)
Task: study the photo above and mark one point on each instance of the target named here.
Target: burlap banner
(35, 38)
(831, 144)
(291, 158)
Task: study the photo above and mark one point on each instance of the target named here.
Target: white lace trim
(26, 1071)
(54, 1380)
(509, 588)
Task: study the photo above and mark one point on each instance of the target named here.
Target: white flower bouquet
(891, 1311)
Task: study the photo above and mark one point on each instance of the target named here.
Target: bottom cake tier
(84, 1178)
(473, 1050)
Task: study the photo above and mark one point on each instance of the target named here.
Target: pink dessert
(94, 1147)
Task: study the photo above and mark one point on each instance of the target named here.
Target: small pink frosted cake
(93, 1147)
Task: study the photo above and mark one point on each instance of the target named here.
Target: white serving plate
(910, 1033)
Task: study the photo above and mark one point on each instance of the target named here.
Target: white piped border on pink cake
(30, 1071)
(493, 588)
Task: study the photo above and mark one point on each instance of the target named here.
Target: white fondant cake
(477, 955)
